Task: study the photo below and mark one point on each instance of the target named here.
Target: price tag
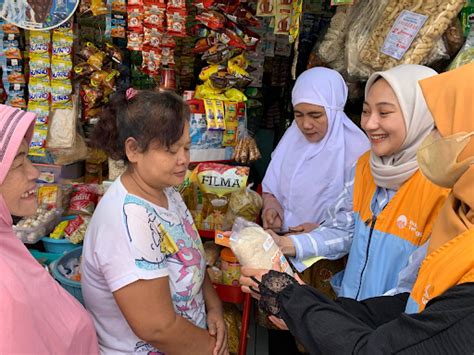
(402, 33)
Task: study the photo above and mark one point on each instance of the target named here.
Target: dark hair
(149, 117)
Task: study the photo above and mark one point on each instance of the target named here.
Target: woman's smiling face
(382, 119)
(19, 187)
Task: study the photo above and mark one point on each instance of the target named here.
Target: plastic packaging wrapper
(332, 45)
(438, 53)
(70, 155)
(76, 229)
(215, 274)
(363, 20)
(466, 54)
(211, 252)
(217, 182)
(31, 229)
(62, 127)
(233, 321)
(246, 151)
(255, 248)
(244, 203)
(454, 37)
(84, 199)
(440, 14)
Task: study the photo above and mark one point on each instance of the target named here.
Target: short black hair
(148, 117)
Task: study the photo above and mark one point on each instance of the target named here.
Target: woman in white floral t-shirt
(143, 273)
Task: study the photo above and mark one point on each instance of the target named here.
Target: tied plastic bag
(244, 203)
(255, 248)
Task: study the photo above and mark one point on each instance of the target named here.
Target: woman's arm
(332, 239)
(328, 327)
(215, 317)
(148, 309)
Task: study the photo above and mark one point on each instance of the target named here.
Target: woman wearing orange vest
(443, 294)
(387, 208)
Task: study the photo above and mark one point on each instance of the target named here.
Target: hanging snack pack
(255, 248)
(217, 182)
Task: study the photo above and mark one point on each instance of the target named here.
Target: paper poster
(37, 14)
(402, 33)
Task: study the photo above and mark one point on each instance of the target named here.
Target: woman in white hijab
(317, 152)
(387, 209)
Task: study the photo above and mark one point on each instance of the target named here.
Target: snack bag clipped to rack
(255, 248)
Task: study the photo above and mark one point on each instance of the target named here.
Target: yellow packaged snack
(219, 109)
(208, 71)
(48, 196)
(209, 106)
(235, 95)
(59, 232)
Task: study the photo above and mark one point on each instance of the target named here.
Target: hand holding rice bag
(255, 248)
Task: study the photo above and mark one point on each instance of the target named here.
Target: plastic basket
(73, 287)
(45, 258)
(58, 246)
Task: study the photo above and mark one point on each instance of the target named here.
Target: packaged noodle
(217, 182)
(255, 248)
(244, 203)
(233, 321)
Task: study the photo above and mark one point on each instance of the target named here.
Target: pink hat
(15, 125)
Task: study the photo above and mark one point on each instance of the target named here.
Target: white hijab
(305, 177)
(392, 171)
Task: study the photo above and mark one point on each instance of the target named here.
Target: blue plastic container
(58, 246)
(73, 287)
(46, 258)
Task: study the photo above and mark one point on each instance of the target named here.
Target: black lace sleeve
(327, 327)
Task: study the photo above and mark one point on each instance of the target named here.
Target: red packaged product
(83, 199)
(177, 4)
(176, 21)
(154, 16)
(212, 19)
(158, 3)
(135, 41)
(135, 18)
(152, 37)
(151, 61)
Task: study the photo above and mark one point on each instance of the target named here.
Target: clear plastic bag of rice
(255, 248)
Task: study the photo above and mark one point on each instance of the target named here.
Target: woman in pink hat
(38, 316)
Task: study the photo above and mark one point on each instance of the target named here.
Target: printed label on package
(402, 33)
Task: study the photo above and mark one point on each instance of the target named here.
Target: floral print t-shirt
(131, 239)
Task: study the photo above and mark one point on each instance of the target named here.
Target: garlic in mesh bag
(255, 248)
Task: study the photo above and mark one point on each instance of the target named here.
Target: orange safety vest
(449, 265)
(383, 244)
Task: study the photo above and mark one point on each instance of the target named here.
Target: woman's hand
(247, 284)
(278, 322)
(217, 329)
(284, 243)
(271, 219)
(303, 228)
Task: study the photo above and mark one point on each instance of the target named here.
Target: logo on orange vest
(402, 221)
(426, 295)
